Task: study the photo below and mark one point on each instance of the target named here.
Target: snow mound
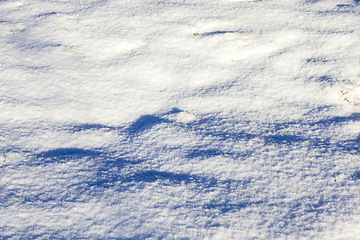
(185, 117)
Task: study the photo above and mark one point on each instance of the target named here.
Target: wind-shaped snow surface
(179, 119)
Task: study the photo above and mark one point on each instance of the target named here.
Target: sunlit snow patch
(11, 4)
(185, 117)
(350, 95)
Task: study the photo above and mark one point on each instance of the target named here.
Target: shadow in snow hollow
(271, 134)
(170, 178)
(146, 122)
(356, 175)
(228, 206)
(85, 127)
(60, 153)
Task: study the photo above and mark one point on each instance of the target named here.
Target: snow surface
(179, 119)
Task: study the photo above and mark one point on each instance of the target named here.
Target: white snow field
(179, 119)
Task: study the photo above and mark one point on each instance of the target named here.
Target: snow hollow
(179, 119)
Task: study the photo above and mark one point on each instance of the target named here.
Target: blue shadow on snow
(170, 178)
(271, 135)
(217, 33)
(207, 34)
(227, 206)
(67, 152)
(356, 176)
(85, 127)
(146, 122)
(173, 178)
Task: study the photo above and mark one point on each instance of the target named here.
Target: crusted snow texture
(179, 119)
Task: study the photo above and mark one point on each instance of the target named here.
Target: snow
(179, 119)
